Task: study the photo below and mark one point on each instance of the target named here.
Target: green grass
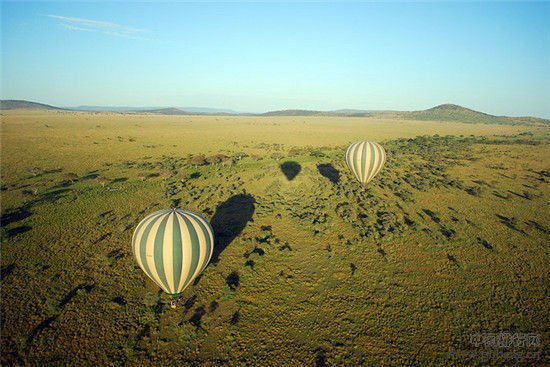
(450, 239)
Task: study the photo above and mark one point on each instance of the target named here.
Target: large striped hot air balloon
(365, 159)
(173, 246)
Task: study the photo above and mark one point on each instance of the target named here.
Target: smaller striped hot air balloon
(365, 159)
(172, 247)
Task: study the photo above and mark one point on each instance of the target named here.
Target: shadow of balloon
(229, 220)
(291, 169)
(327, 170)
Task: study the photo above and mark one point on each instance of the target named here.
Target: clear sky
(254, 57)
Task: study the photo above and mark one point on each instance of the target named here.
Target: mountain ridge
(442, 112)
(16, 104)
(187, 110)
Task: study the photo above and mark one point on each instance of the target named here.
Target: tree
(277, 156)
(198, 160)
(36, 171)
(71, 177)
(217, 158)
(164, 174)
(102, 181)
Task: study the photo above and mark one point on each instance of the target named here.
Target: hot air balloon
(172, 247)
(365, 159)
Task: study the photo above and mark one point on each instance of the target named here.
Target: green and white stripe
(365, 159)
(173, 246)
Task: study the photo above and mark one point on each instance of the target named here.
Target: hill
(452, 112)
(165, 111)
(12, 104)
(291, 113)
(211, 111)
(184, 110)
(444, 112)
(178, 111)
(441, 112)
(111, 108)
(350, 111)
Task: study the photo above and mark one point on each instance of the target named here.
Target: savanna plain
(310, 268)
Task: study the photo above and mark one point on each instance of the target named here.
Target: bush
(165, 174)
(317, 153)
(184, 176)
(198, 160)
(217, 158)
(240, 156)
(474, 190)
(294, 152)
(102, 181)
(406, 195)
(277, 156)
(71, 176)
(36, 171)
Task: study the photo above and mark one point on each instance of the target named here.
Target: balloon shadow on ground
(327, 170)
(291, 169)
(229, 220)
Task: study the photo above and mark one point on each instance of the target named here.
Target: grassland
(449, 240)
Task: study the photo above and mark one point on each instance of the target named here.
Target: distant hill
(452, 112)
(444, 112)
(164, 111)
(184, 110)
(12, 104)
(110, 108)
(291, 113)
(354, 112)
(210, 111)
(178, 111)
(348, 111)
(342, 112)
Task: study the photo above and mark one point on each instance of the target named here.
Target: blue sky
(489, 56)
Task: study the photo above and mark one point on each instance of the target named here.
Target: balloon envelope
(173, 246)
(365, 159)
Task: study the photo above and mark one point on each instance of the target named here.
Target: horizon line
(77, 108)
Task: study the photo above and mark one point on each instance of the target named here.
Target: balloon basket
(174, 300)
